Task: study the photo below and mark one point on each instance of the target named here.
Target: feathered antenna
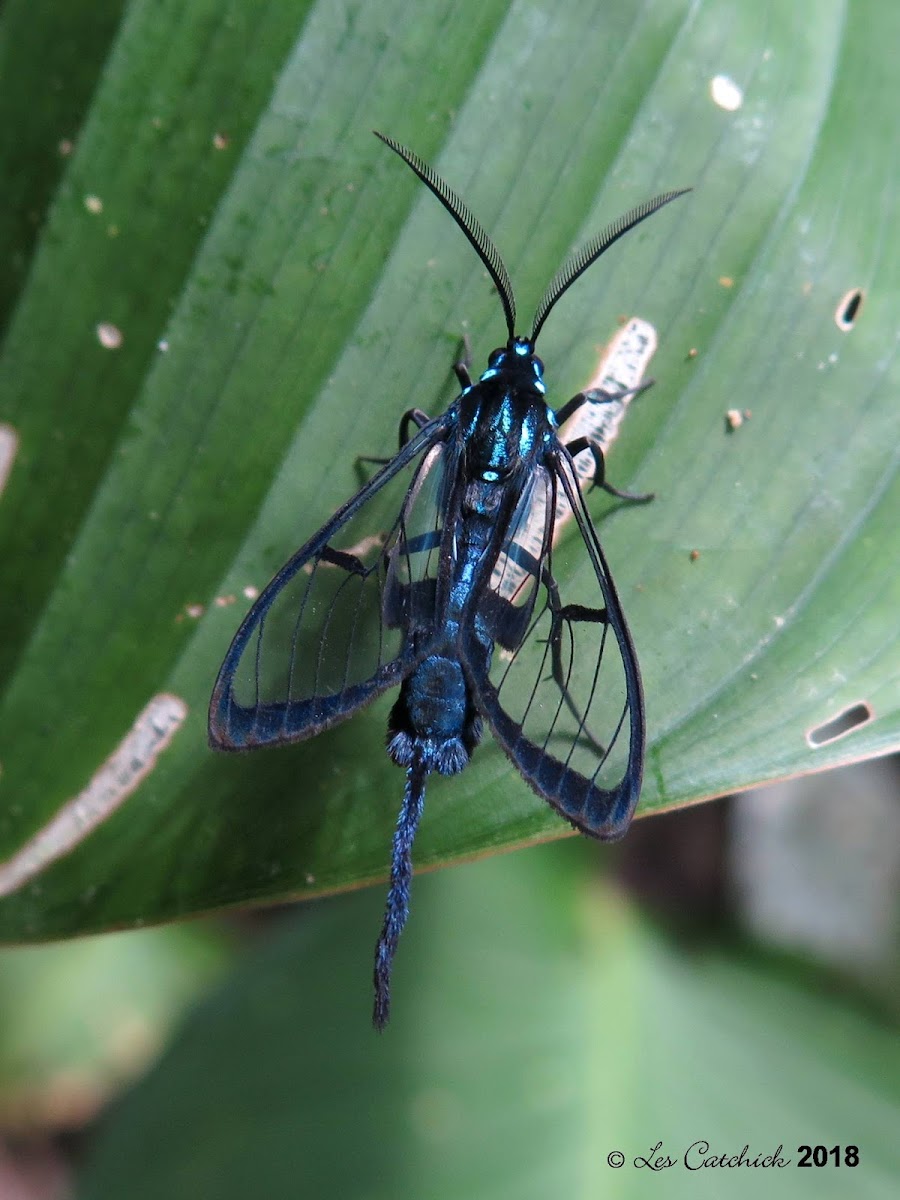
(582, 259)
(468, 223)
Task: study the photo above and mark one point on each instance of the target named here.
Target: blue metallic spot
(490, 476)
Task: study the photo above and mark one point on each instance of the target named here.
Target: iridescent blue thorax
(504, 416)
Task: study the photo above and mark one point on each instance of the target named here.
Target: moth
(440, 577)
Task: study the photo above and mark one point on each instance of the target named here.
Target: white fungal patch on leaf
(132, 760)
(9, 447)
(726, 93)
(734, 419)
(109, 336)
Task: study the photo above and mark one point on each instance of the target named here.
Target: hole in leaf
(839, 726)
(848, 309)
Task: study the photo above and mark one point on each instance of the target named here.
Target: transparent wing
(349, 615)
(563, 693)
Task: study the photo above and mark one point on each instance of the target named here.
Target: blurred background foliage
(211, 268)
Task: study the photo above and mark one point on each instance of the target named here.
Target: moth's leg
(463, 364)
(571, 406)
(559, 614)
(413, 416)
(596, 396)
(599, 479)
(416, 416)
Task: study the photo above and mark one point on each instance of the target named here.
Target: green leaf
(120, 242)
(316, 293)
(79, 1019)
(65, 47)
(538, 1027)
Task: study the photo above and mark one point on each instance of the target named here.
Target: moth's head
(519, 363)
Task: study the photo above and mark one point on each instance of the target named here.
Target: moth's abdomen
(434, 711)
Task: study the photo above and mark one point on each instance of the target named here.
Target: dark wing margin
(563, 694)
(349, 615)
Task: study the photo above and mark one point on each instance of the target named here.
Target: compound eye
(496, 357)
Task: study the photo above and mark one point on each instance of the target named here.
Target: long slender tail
(397, 908)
